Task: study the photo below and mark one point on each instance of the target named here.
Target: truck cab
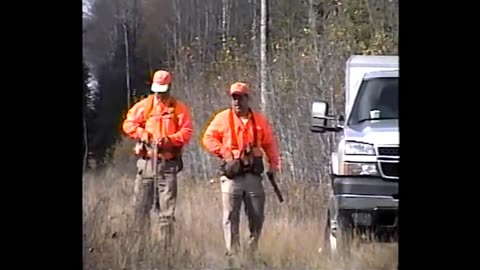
(364, 168)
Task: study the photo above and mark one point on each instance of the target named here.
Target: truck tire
(336, 238)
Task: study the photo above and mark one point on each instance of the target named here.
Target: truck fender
(336, 159)
(334, 164)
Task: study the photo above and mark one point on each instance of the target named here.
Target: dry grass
(304, 67)
(290, 239)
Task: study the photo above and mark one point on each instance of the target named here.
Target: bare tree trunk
(134, 38)
(177, 37)
(263, 54)
(149, 60)
(127, 61)
(312, 24)
(175, 26)
(224, 22)
(207, 33)
(311, 15)
(254, 34)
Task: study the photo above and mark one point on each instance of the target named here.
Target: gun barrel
(155, 184)
(275, 186)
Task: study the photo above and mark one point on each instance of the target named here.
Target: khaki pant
(249, 190)
(161, 222)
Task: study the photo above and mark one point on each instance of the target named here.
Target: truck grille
(390, 169)
(389, 151)
(389, 161)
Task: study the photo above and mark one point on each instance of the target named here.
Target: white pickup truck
(365, 166)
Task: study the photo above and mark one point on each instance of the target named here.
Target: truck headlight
(361, 169)
(356, 148)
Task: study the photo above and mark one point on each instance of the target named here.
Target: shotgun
(275, 186)
(156, 203)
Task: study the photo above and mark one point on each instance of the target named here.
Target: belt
(160, 159)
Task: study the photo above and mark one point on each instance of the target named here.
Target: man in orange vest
(161, 120)
(237, 135)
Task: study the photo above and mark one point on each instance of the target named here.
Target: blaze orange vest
(141, 149)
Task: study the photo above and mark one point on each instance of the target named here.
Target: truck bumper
(367, 202)
(374, 186)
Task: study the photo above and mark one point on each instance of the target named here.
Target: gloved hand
(164, 140)
(165, 143)
(272, 172)
(146, 137)
(227, 155)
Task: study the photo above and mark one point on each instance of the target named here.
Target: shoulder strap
(148, 106)
(232, 130)
(173, 104)
(234, 133)
(254, 128)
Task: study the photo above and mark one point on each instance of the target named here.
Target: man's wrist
(145, 136)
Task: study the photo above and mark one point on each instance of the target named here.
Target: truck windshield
(380, 94)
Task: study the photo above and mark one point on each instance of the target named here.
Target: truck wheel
(329, 241)
(335, 239)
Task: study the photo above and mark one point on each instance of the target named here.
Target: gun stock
(275, 186)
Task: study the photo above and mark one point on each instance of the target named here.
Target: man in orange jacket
(161, 119)
(237, 135)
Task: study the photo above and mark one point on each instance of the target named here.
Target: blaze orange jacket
(217, 138)
(163, 120)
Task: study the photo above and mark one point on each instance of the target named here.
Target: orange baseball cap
(161, 81)
(239, 88)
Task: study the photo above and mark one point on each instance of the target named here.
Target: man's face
(164, 95)
(240, 103)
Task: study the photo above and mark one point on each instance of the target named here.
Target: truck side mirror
(320, 118)
(341, 120)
